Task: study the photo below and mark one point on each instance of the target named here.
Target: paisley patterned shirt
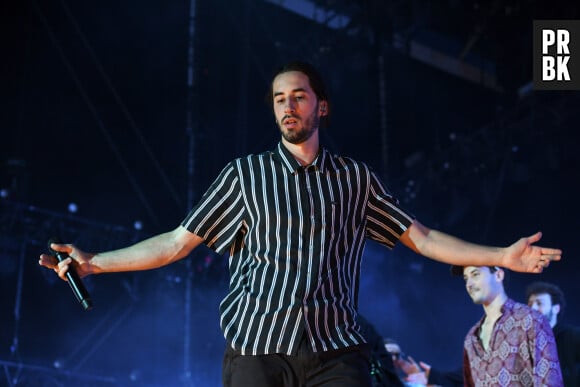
(522, 351)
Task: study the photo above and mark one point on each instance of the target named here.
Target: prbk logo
(557, 54)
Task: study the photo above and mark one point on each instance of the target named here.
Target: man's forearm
(446, 248)
(157, 251)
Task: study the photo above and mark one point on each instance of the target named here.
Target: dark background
(130, 109)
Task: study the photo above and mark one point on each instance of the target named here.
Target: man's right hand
(78, 258)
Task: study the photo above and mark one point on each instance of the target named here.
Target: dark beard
(298, 137)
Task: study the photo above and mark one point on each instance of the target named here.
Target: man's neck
(305, 153)
(493, 309)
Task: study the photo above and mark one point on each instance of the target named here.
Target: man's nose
(468, 283)
(289, 106)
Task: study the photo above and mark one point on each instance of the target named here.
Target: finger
(47, 261)
(535, 237)
(62, 274)
(543, 263)
(551, 254)
(424, 365)
(62, 268)
(61, 247)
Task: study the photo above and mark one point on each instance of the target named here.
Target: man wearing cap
(512, 344)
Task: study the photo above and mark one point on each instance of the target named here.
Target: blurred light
(186, 376)
(416, 267)
(135, 375)
(414, 159)
(526, 89)
(173, 278)
(515, 148)
(446, 165)
(138, 225)
(4, 193)
(72, 208)
(452, 136)
(57, 364)
(14, 346)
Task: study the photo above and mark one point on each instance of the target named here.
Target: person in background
(512, 344)
(383, 373)
(294, 221)
(423, 374)
(548, 299)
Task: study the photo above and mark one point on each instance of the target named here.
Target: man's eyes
(474, 274)
(296, 97)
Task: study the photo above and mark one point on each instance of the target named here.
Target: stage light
(138, 225)
(4, 193)
(72, 208)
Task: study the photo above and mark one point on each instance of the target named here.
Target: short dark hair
(556, 294)
(314, 79)
(458, 270)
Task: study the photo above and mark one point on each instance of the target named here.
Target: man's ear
(556, 308)
(323, 108)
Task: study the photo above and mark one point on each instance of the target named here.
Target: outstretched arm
(521, 256)
(151, 253)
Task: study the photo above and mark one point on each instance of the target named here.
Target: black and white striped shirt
(295, 237)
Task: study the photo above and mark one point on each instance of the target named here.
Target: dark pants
(348, 367)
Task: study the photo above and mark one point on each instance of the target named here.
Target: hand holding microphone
(75, 282)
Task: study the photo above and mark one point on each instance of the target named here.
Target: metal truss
(23, 228)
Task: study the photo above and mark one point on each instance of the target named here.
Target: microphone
(75, 282)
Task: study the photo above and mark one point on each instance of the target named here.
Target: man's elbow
(416, 237)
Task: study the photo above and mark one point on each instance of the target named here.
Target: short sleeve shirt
(295, 236)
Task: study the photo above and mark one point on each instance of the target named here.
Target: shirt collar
(508, 305)
(283, 154)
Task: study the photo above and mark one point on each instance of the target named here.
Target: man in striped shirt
(294, 221)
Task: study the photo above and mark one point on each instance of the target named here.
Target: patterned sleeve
(386, 220)
(467, 379)
(544, 352)
(218, 216)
